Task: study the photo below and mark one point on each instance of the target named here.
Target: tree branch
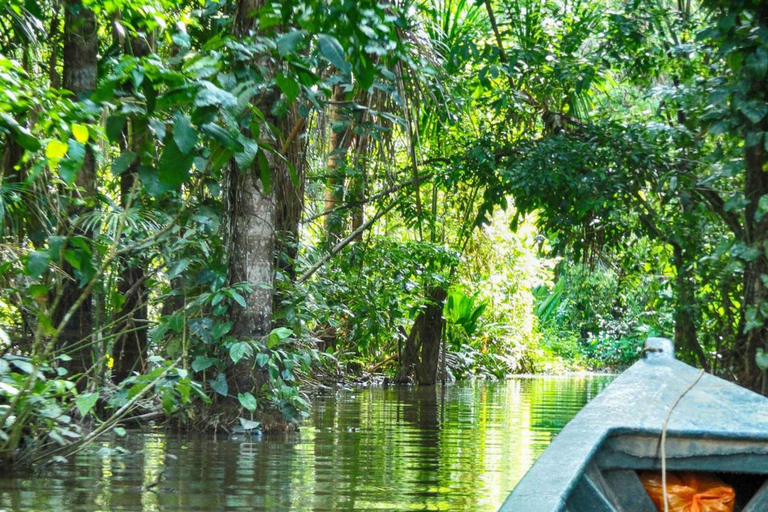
(342, 244)
(717, 205)
(391, 190)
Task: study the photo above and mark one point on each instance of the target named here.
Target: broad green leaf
(119, 431)
(150, 95)
(332, 50)
(184, 387)
(762, 208)
(184, 133)
(273, 340)
(247, 400)
(262, 359)
(757, 63)
(220, 385)
(181, 39)
(736, 202)
(203, 363)
(22, 136)
(289, 86)
(23, 365)
(148, 176)
(249, 425)
(123, 162)
(245, 158)
(220, 329)
(114, 128)
(86, 402)
(237, 298)
(27, 141)
(80, 133)
(179, 267)
(168, 401)
(754, 110)
(37, 263)
(55, 245)
(761, 359)
(54, 152)
(238, 350)
(174, 166)
(222, 136)
(74, 161)
(176, 322)
(220, 157)
(287, 43)
(210, 95)
(8, 389)
(282, 332)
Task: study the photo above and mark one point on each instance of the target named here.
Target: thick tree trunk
(252, 213)
(252, 250)
(340, 140)
(421, 353)
(753, 332)
(289, 196)
(251, 259)
(80, 73)
(754, 329)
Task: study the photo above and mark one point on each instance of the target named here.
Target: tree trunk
(251, 259)
(357, 186)
(130, 348)
(341, 138)
(252, 223)
(421, 353)
(80, 72)
(754, 332)
(290, 196)
(10, 158)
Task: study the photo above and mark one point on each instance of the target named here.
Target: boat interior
(611, 482)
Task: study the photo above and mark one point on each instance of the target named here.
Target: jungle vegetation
(208, 205)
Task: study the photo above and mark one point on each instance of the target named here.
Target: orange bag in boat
(689, 492)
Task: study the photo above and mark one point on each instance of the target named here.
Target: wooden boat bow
(716, 426)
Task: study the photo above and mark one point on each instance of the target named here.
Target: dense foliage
(206, 205)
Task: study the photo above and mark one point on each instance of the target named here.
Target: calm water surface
(462, 447)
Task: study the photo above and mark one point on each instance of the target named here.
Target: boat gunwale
(565, 471)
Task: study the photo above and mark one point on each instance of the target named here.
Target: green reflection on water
(462, 447)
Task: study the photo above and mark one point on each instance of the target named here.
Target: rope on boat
(664, 439)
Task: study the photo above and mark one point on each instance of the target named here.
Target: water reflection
(462, 447)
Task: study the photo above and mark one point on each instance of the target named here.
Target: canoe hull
(593, 464)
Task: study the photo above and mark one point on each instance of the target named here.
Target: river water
(462, 447)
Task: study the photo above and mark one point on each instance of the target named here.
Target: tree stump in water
(421, 353)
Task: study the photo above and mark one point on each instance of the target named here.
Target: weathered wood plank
(759, 502)
(587, 496)
(629, 492)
